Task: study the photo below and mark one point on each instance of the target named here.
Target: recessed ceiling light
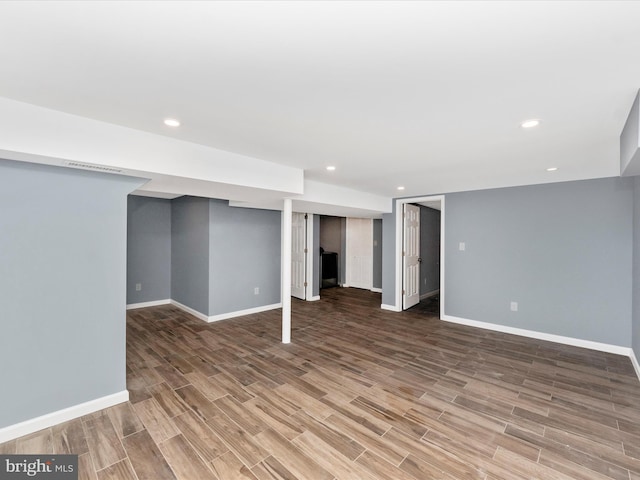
(530, 123)
(552, 169)
(400, 188)
(331, 168)
(171, 122)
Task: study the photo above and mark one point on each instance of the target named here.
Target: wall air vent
(90, 166)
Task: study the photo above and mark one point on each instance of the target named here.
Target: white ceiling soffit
(41, 135)
(427, 95)
(326, 199)
(314, 208)
(166, 196)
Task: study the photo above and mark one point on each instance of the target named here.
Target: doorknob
(419, 260)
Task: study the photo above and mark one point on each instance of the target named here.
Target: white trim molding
(225, 316)
(190, 310)
(376, 290)
(60, 416)
(315, 298)
(550, 337)
(155, 303)
(241, 313)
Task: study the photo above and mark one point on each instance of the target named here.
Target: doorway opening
(329, 251)
(420, 252)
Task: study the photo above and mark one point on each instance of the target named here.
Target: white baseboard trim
(60, 416)
(315, 298)
(634, 362)
(190, 310)
(155, 303)
(391, 308)
(430, 294)
(241, 313)
(376, 289)
(576, 342)
(225, 316)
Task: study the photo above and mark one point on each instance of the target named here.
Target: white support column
(286, 271)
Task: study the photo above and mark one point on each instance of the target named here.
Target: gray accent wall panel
(377, 253)
(148, 249)
(315, 286)
(63, 238)
(388, 258)
(635, 326)
(245, 253)
(563, 251)
(190, 252)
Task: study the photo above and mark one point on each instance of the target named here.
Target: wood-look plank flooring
(360, 394)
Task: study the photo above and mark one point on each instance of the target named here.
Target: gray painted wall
(635, 327)
(377, 253)
(245, 253)
(62, 288)
(190, 252)
(563, 251)
(148, 249)
(315, 285)
(429, 249)
(388, 258)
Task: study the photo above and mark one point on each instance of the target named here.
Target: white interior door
(359, 253)
(298, 255)
(411, 256)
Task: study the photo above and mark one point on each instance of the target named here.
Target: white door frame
(399, 233)
(310, 272)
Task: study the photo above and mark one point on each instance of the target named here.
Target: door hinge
(403, 253)
(305, 284)
(306, 250)
(403, 292)
(306, 216)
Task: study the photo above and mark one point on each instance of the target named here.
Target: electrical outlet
(138, 287)
(514, 306)
(256, 291)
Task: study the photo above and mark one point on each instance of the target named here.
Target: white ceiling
(428, 95)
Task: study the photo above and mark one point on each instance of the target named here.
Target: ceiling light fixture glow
(530, 123)
(331, 168)
(400, 188)
(552, 169)
(172, 122)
